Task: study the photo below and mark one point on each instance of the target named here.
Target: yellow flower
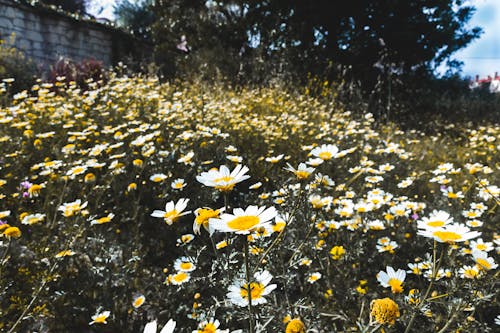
(384, 311)
(4, 226)
(131, 187)
(102, 220)
(65, 253)
(337, 252)
(137, 162)
(100, 318)
(221, 244)
(138, 301)
(362, 288)
(202, 217)
(12, 232)
(295, 326)
(89, 177)
(35, 190)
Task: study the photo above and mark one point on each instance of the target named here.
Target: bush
(79, 72)
(14, 64)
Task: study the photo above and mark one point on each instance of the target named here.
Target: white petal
(150, 327)
(169, 327)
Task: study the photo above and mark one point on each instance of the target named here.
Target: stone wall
(45, 35)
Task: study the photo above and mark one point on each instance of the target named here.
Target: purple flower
(26, 184)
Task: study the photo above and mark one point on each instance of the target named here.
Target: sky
(481, 57)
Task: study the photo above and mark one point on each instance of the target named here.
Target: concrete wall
(45, 35)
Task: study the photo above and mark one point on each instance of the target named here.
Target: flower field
(135, 203)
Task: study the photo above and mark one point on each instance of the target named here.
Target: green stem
(435, 268)
(4, 256)
(226, 206)
(280, 235)
(69, 244)
(297, 250)
(452, 318)
(249, 286)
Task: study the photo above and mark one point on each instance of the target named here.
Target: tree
(308, 36)
(72, 6)
(137, 17)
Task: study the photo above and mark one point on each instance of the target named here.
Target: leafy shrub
(88, 70)
(14, 64)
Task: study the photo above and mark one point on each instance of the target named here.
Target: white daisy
(243, 221)
(450, 233)
(184, 264)
(138, 301)
(172, 211)
(483, 261)
(100, 318)
(158, 177)
(393, 279)
(33, 219)
(260, 287)
(325, 152)
(437, 219)
(209, 326)
(178, 184)
(222, 179)
(302, 172)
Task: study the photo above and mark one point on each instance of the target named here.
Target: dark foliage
(72, 6)
(78, 72)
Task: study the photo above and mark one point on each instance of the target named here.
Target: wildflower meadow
(140, 206)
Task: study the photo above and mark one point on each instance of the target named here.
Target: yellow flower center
(104, 219)
(64, 253)
(396, 287)
(101, 319)
(35, 189)
(452, 195)
(302, 174)
(208, 328)
(483, 263)
(481, 247)
(180, 277)
(242, 223)
(204, 215)
(325, 155)
(256, 290)
(471, 273)
(186, 266)
(280, 225)
(77, 170)
(139, 301)
(225, 179)
(33, 220)
(172, 215)
(447, 236)
(471, 214)
(436, 223)
(221, 245)
(225, 188)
